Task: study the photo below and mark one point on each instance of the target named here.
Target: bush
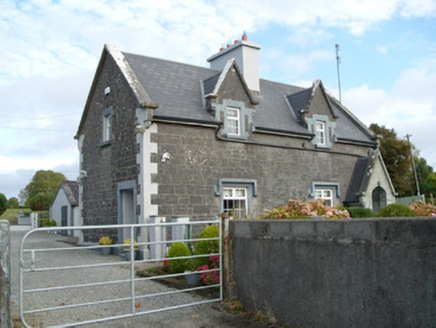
(177, 250)
(47, 222)
(296, 209)
(207, 246)
(360, 212)
(53, 223)
(395, 210)
(423, 209)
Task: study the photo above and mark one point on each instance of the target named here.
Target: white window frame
(234, 121)
(107, 127)
(320, 132)
(326, 194)
(241, 212)
(106, 124)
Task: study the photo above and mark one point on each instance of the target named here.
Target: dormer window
(320, 133)
(236, 118)
(234, 121)
(323, 129)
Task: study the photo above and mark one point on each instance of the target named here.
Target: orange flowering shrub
(423, 209)
(296, 209)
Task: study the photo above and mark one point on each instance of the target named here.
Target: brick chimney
(246, 55)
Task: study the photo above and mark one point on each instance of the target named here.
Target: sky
(50, 50)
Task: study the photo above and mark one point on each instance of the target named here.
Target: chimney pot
(222, 48)
(236, 41)
(229, 45)
(244, 36)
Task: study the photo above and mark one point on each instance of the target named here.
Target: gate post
(227, 270)
(5, 275)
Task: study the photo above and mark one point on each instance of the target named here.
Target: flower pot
(128, 255)
(105, 251)
(192, 279)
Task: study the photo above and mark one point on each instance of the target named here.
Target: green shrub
(53, 223)
(207, 246)
(177, 250)
(360, 212)
(395, 210)
(47, 222)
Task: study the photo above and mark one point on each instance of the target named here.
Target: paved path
(195, 316)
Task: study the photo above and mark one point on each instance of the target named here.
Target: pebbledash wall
(337, 273)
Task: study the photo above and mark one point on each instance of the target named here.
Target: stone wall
(108, 165)
(338, 273)
(186, 182)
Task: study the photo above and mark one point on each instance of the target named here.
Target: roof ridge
(171, 61)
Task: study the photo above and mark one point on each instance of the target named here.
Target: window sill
(105, 143)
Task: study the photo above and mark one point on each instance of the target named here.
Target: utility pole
(338, 61)
(413, 164)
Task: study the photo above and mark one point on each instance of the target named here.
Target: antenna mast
(338, 61)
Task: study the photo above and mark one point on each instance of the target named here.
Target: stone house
(161, 138)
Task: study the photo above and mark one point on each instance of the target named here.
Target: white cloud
(410, 108)
(419, 8)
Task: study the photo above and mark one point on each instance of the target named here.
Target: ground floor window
(235, 202)
(329, 191)
(236, 196)
(326, 194)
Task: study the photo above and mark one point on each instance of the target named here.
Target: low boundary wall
(337, 273)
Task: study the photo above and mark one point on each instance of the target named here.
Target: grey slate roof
(176, 87)
(355, 186)
(72, 191)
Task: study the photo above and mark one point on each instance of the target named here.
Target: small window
(235, 202)
(233, 120)
(107, 127)
(329, 191)
(320, 133)
(326, 194)
(106, 120)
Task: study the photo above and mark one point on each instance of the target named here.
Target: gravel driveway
(205, 315)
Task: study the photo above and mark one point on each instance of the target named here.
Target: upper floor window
(236, 118)
(323, 129)
(107, 127)
(234, 121)
(106, 119)
(320, 133)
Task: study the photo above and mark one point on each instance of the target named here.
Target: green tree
(426, 177)
(40, 192)
(13, 202)
(3, 203)
(396, 155)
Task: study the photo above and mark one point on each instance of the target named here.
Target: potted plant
(128, 253)
(105, 241)
(192, 277)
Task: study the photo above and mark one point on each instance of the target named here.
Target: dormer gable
(229, 84)
(230, 100)
(313, 108)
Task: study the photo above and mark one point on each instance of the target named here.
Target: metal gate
(65, 285)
